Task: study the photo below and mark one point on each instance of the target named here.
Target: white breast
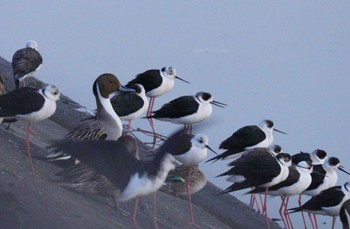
(166, 86)
(45, 112)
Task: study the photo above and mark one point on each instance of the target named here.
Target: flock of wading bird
(97, 152)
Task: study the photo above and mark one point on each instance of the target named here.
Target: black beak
(216, 103)
(176, 77)
(341, 168)
(279, 131)
(211, 149)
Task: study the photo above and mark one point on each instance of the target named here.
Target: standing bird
(345, 214)
(327, 177)
(324, 179)
(31, 105)
(25, 62)
(106, 125)
(187, 110)
(317, 158)
(299, 178)
(194, 150)
(271, 152)
(328, 202)
(131, 106)
(134, 178)
(245, 138)
(258, 170)
(262, 170)
(156, 83)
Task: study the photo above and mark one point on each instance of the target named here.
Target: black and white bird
(31, 105)
(156, 82)
(298, 180)
(325, 178)
(133, 177)
(271, 151)
(317, 158)
(328, 202)
(345, 214)
(245, 138)
(187, 110)
(131, 106)
(262, 170)
(25, 62)
(258, 170)
(194, 150)
(105, 125)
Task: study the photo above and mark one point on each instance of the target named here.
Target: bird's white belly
(166, 86)
(45, 112)
(203, 113)
(192, 157)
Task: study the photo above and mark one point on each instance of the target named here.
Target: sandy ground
(47, 204)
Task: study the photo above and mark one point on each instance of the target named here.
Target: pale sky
(288, 62)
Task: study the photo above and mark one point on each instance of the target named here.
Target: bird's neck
(105, 110)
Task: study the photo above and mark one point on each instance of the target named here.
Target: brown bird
(25, 62)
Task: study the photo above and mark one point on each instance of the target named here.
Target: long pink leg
(189, 196)
(265, 209)
(256, 201)
(281, 212)
(150, 110)
(150, 120)
(253, 200)
(302, 213)
(135, 212)
(333, 224)
(315, 220)
(27, 143)
(129, 126)
(312, 221)
(286, 214)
